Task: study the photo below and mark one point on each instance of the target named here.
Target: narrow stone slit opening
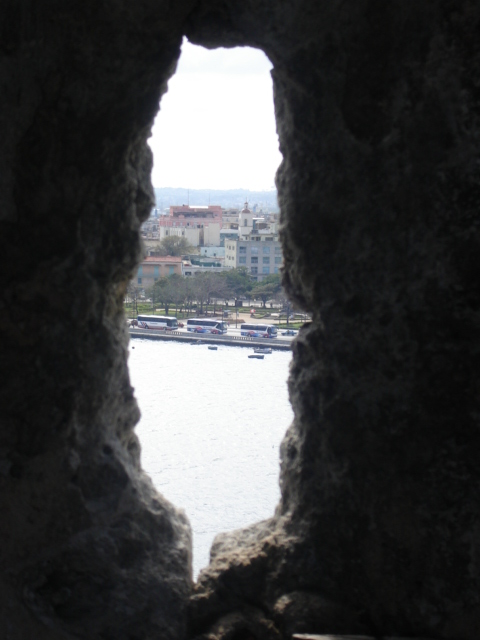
(213, 419)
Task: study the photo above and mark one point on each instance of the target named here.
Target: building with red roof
(154, 267)
(186, 216)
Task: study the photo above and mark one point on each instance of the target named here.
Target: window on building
(254, 270)
(278, 249)
(242, 260)
(139, 281)
(266, 260)
(269, 239)
(254, 251)
(257, 239)
(266, 270)
(276, 270)
(243, 249)
(278, 260)
(171, 270)
(266, 249)
(254, 260)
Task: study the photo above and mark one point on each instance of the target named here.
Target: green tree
(178, 289)
(173, 246)
(268, 288)
(132, 296)
(205, 285)
(162, 293)
(238, 281)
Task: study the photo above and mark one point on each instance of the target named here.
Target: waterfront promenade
(225, 339)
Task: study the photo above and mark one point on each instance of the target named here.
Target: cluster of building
(200, 226)
(225, 238)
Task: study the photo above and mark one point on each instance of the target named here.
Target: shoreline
(232, 341)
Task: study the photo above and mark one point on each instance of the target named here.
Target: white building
(245, 221)
(257, 247)
(196, 235)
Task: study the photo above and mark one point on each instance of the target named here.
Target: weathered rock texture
(378, 528)
(88, 547)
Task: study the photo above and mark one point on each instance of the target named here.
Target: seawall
(232, 341)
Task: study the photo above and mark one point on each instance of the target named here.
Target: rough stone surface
(248, 624)
(305, 612)
(378, 117)
(88, 548)
(378, 528)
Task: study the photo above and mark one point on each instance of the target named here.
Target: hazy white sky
(216, 125)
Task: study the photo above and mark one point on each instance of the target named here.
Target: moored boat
(262, 350)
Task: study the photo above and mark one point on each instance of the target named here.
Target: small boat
(255, 355)
(262, 350)
(213, 348)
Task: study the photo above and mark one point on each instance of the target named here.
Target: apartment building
(261, 256)
(257, 247)
(152, 268)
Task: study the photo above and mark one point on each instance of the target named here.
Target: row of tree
(206, 288)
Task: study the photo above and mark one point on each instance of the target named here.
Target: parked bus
(157, 322)
(258, 330)
(207, 325)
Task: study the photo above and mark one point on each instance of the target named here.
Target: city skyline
(216, 124)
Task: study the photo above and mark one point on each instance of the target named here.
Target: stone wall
(377, 531)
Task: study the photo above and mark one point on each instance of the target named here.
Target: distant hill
(228, 198)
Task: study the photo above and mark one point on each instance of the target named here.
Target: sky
(216, 124)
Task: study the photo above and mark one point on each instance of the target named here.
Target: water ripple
(211, 426)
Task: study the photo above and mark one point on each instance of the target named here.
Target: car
(289, 332)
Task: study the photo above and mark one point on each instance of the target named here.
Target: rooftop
(162, 259)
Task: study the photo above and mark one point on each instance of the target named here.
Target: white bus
(207, 325)
(157, 322)
(255, 330)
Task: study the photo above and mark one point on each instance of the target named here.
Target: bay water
(211, 426)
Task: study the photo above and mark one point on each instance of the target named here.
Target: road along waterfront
(233, 341)
(211, 426)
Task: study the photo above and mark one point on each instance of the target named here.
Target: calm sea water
(211, 426)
